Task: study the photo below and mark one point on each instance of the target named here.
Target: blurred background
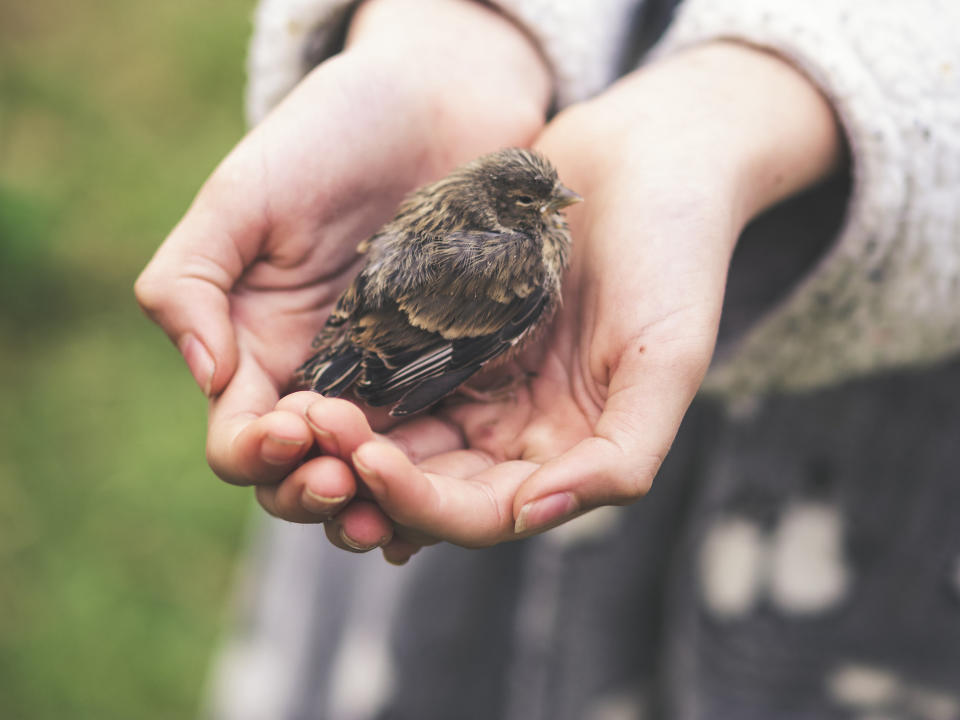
(117, 544)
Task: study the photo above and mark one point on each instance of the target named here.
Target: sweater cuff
(289, 38)
(886, 294)
(584, 42)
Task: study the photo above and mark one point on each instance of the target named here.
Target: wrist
(779, 132)
(765, 121)
(473, 70)
(736, 122)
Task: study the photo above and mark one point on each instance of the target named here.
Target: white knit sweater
(887, 293)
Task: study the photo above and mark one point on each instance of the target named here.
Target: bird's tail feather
(331, 376)
(432, 390)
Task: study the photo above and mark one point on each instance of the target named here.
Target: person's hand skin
(673, 161)
(250, 274)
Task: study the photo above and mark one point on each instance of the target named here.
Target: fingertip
(328, 484)
(338, 425)
(298, 401)
(266, 497)
(595, 472)
(360, 527)
(285, 438)
(545, 512)
(322, 505)
(376, 461)
(378, 456)
(313, 493)
(216, 335)
(561, 474)
(425, 437)
(286, 424)
(199, 361)
(343, 410)
(194, 312)
(222, 373)
(398, 552)
(259, 450)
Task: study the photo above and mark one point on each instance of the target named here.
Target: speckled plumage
(467, 270)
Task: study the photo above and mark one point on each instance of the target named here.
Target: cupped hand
(602, 393)
(250, 273)
(672, 162)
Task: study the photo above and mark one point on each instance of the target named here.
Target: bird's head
(524, 188)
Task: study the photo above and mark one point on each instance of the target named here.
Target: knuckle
(628, 474)
(151, 294)
(266, 499)
(220, 465)
(636, 478)
(497, 511)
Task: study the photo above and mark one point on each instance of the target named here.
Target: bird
(464, 275)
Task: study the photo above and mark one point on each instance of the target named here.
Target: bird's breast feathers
(466, 271)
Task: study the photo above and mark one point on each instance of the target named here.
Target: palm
(301, 227)
(554, 405)
(296, 198)
(605, 388)
(250, 274)
(472, 482)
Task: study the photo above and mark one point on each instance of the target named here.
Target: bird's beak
(562, 197)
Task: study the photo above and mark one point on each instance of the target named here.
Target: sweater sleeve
(887, 293)
(584, 41)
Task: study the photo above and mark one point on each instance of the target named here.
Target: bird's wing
(482, 293)
(335, 363)
(418, 373)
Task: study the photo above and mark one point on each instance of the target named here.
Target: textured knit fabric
(799, 555)
(887, 293)
(583, 41)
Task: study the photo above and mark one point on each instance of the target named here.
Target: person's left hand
(253, 269)
(666, 198)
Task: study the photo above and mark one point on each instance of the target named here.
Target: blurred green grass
(116, 542)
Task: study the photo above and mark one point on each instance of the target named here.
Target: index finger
(462, 497)
(248, 443)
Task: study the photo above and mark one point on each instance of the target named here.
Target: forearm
(451, 41)
(584, 43)
(456, 60)
(743, 120)
(474, 72)
(882, 296)
(773, 125)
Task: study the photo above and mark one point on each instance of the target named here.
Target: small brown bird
(466, 271)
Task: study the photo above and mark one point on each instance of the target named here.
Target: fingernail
(548, 510)
(280, 451)
(325, 439)
(361, 468)
(357, 546)
(199, 361)
(370, 477)
(321, 503)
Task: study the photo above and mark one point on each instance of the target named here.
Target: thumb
(647, 401)
(184, 289)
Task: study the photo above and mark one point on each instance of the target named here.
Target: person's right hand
(251, 272)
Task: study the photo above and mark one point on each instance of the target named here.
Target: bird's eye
(524, 200)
